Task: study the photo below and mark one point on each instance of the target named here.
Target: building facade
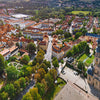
(93, 73)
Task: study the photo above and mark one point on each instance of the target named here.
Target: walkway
(30, 86)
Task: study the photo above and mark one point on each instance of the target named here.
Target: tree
(49, 80)
(42, 72)
(87, 49)
(75, 50)
(34, 93)
(37, 77)
(44, 67)
(94, 30)
(69, 53)
(31, 47)
(34, 62)
(55, 63)
(12, 73)
(53, 73)
(81, 66)
(9, 88)
(25, 59)
(41, 88)
(2, 64)
(67, 35)
(40, 57)
(44, 83)
(22, 82)
(17, 87)
(27, 96)
(78, 34)
(4, 96)
(47, 63)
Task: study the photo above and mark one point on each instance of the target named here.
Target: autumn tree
(34, 93)
(37, 77)
(42, 72)
(27, 96)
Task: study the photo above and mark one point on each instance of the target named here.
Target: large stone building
(93, 75)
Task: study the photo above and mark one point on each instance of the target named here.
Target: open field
(84, 12)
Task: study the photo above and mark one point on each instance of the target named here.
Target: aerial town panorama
(49, 49)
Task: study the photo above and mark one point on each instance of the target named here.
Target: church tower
(93, 73)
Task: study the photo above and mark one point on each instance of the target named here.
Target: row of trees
(45, 78)
(11, 90)
(81, 47)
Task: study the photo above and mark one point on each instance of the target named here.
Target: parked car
(70, 59)
(76, 73)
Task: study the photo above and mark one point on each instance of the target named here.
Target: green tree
(31, 47)
(81, 66)
(78, 34)
(40, 57)
(94, 30)
(87, 49)
(41, 88)
(69, 53)
(12, 73)
(25, 59)
(17, 87)
(34, 93)
(55, 63)
(22, 82)
(9, 88)
(27, 96)
(53, 73)
(75, 50)
(4, 96)
(49, 80)
(2, 64)
(47, 63)
(44, 67)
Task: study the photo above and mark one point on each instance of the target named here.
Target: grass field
(88, 61)
(83, 57)
(54, 91)
(84, 12)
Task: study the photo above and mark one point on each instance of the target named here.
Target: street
(48, 54)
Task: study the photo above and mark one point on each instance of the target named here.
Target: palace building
(93, 73)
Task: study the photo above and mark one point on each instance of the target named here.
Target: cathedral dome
(90, 70)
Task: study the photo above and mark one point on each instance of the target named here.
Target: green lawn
(54, 91)
(89, 60)
(84, 12)
(83, 57)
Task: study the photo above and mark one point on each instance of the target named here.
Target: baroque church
(93, 73)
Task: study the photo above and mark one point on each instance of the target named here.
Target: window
(89, 79)
(96, 59)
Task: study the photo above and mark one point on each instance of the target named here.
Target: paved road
(19, 97)
(48, 54)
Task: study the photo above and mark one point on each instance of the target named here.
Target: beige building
(93, 73)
